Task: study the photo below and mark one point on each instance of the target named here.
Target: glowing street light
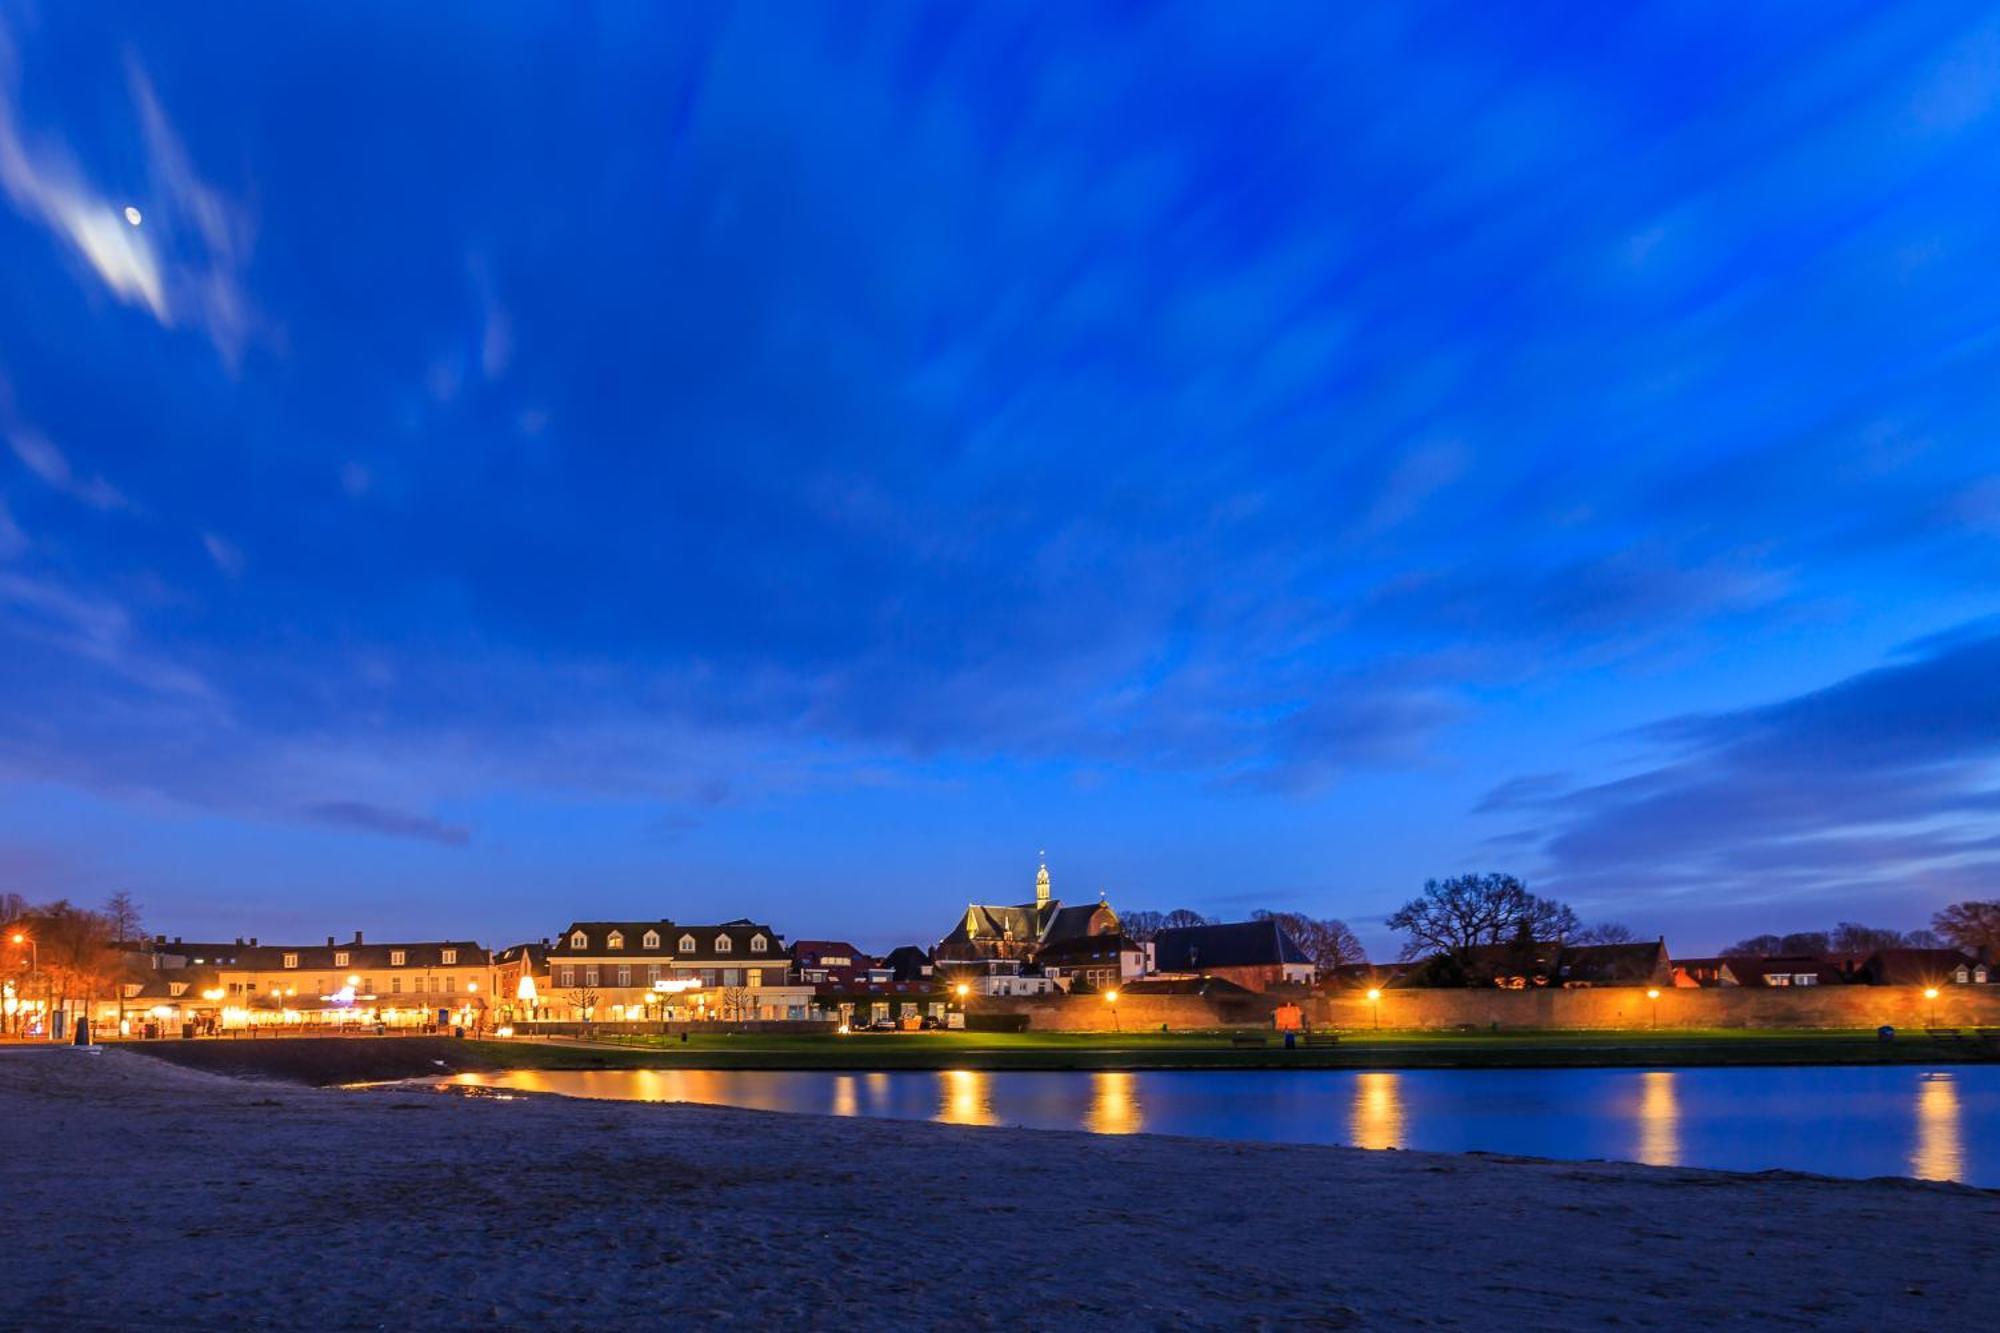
(1375, 1002)
(1111, 998)
(1653, 994)
(1930, 993)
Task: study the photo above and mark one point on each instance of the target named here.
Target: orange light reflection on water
(1376, 1120)
(1940, 1151)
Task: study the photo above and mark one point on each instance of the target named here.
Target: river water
(1939, 1124)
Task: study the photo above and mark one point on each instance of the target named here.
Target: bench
(1945, 1034)
(1319, 1039)
(1246, 1039)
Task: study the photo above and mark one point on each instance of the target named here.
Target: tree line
(61, 953)
(1968, 926)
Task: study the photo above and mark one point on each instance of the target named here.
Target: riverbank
(333, 1060)
(152, 1195)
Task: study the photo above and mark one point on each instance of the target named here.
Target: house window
(624, 976)
(340, 958)
(177, 988)
(1805, 979)
(722, 944)
(651, 940)
(395, 985)
(579, 941)
(568, 978)
(758, 944)
(652, 973)
(396, 957)
(451, 983)
(590, 976)
(732, 976)
(687, 944)
(291, 960)
(448, 957)
(615, 940)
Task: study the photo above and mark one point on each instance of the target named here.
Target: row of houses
(741, 971)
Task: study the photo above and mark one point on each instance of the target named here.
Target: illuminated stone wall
(1806, 1007)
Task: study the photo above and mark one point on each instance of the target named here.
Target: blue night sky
(801, 460)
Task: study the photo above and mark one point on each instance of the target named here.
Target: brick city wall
(1610, 1007)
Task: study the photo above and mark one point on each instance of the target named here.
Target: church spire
(1042, 883)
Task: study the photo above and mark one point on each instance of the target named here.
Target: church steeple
(1042, 883)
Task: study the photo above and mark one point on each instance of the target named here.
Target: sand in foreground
(137, 1193)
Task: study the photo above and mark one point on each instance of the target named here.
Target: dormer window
(615, 940)
(687, 944)
(579, 941)
(758, 944)
(397, 957)
(651, 940)
(447, 957)
(340, 958)
(177, 988)
(722, 944)
(291, 960)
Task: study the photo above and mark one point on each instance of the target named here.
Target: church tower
(1042, 884)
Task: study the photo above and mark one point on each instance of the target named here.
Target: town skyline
(801, 465)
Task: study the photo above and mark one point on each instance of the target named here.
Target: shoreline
(153, 1193)
(328, 1061)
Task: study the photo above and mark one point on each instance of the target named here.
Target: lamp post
(1930, 993)
(35, 970)
(1375, 1003)
(1111, 998)
(1653, 994)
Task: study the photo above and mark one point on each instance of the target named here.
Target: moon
(132, 215)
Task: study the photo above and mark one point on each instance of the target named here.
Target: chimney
(357, 937)
(239, 941)
(253, 941)
(329, 941)
(177, 939)
(159, 939)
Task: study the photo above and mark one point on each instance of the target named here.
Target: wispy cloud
(182, 263)
(40, 456)
(390, 823)
(226, 555)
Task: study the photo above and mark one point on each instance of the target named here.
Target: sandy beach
(137, 1193)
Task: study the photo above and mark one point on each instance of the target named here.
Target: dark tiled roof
(1086, 948)
(1239, 944)
(1069, 923)
(1214, 988)
(597, 936)
(360, 957)
(1914, 967)
(808, 953)
(908, 963)
(1758, 971)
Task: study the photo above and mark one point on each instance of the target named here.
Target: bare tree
(74, 948)
(1757, 946)
(1142, 926)
(1853, 937)
(1182, 917)
(1325, 940)
(1455, 916)
(1971, 926)
(1605, 932)
(739, 1003)
(123, 915)
(582, 999)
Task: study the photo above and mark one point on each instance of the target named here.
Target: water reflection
(846, 1096)
(1114, 1104)
(1939, 1154)
(1659, 1119)
(1377, 1121)
(967, 1100)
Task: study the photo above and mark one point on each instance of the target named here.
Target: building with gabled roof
(1002, 938)
(666, 971)
(1255, 955)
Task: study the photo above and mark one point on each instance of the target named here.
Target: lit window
(687, 944)
(340, 958)
(652, 973)
(568, 978)
(397, 957)
(615, 940)
(177, 988)
(590, 976)
(579, 941)
(652, 940)
(291, 960)
(624, 976)
(449, 956)
(395, 985)
(451, 983)
(758, 944)
(722, 944)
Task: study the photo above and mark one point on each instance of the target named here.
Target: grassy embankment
(329, 1060)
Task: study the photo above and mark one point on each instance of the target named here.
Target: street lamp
(1653, 994)
(1111, 998)
(35, 970)
(1930, 993)
(1375, 1002)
